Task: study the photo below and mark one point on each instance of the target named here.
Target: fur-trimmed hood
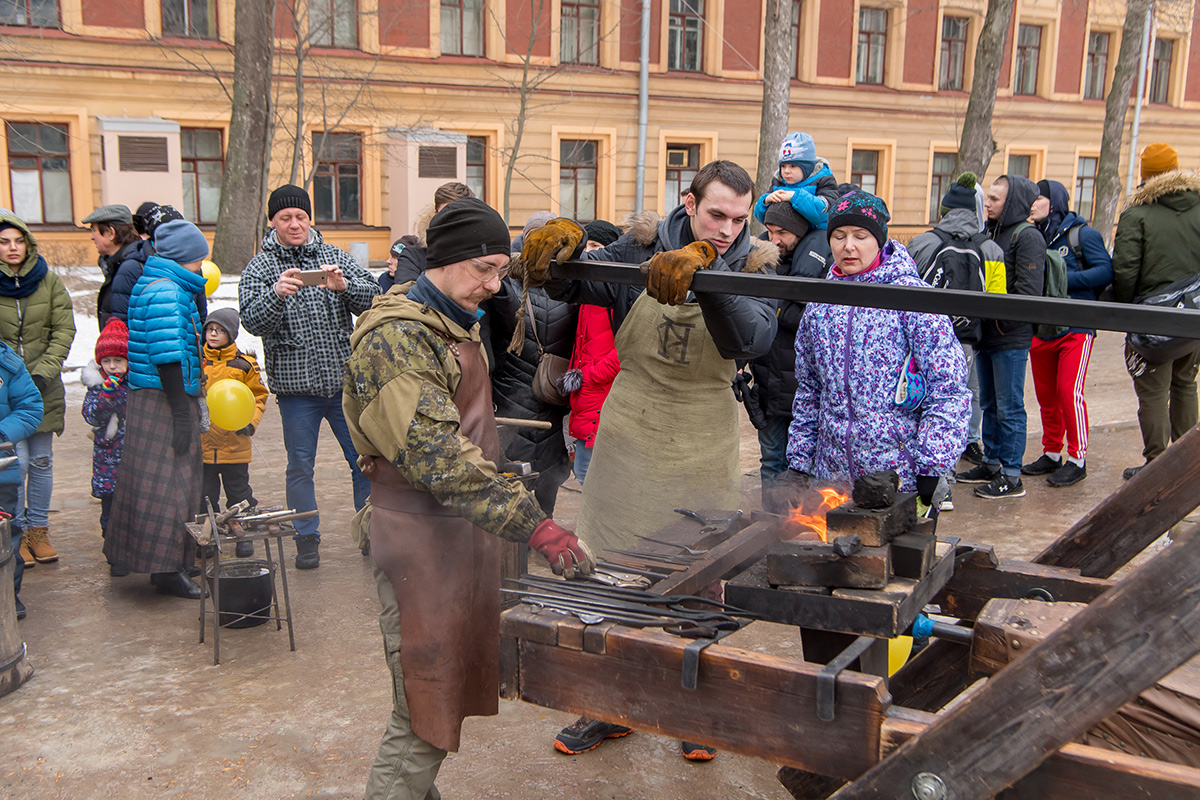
(644, 225)
(1158, 187)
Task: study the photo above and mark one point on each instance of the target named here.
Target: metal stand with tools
(218, 531)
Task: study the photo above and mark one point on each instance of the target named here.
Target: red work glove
(567, 555)
(669, 274)
(557, 240)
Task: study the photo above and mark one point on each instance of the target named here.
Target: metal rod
(1019, 308)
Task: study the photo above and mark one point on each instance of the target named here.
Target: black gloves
(40, 382)
(246, 431)
(171, 376)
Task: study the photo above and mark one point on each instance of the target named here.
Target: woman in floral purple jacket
(878, 389)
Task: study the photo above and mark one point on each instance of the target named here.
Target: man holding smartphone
(301, 295)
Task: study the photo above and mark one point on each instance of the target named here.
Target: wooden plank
(745, 702)
(521, 623)
(875, 526)
(816, 564)
(932, 678)
(1074, 772)
(883, 612)
(729, 557)
(1116, 647)
(976, 582)
(1128, 520)
(510, 669)
(913, 554)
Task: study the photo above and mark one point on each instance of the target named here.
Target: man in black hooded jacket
(1004, 348)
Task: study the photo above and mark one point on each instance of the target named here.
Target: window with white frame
(1029, 50)
(1096, 72)
(1160, 71)
(195, 18)
(337, 183)
(39, 171)
(578, 173)
(872, 44)
(1085, 186)
(34, 13)
(579, 41)
(954, 53)
(942, 179)
(203, 165)
(333, 23)
(864, 170)
(462, 27)
(685, 35)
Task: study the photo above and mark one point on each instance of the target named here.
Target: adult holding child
(160, 468)
(305, 326)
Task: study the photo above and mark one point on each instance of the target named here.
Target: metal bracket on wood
(827, 677)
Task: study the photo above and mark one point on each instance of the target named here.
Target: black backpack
(958, 264)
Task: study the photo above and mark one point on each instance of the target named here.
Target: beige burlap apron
(668, 435)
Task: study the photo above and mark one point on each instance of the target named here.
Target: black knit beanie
(602, 232)
(786, 217)
(466, 228)
(1044, 189)
(288, 196)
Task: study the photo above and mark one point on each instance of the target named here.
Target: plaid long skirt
(156, 490)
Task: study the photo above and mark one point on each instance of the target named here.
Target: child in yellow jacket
(227, 453)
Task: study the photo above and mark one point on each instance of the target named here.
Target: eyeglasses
(485, 271)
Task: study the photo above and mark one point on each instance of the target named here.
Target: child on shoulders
(802, 180)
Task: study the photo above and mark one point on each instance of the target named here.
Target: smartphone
(313, 277)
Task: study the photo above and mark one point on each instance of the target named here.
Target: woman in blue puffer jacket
(878, 389)
(160, 471)
(20, 416)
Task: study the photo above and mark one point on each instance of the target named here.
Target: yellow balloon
(212, 276)
(898, 649)
(230, 404)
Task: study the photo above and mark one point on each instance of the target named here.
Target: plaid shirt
(306, 336)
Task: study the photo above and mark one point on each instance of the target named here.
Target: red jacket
(595, 356)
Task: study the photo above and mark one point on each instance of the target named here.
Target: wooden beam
(975, 583)
(1123, 642)
(749, 703)
(1164, 492)
(730, 556)
(1074, 772)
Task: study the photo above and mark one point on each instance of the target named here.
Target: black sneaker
(697, 752)
(980, 474)
(1001, 487)
(973, 453)
(1068, 474)
(1043, 466)
(1131, 471)
(244, 549)
(586, 734)
(307, 554)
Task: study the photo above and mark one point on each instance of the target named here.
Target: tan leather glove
(554, 241)
(669, 274)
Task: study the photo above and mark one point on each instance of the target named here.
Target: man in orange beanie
(1157, 159)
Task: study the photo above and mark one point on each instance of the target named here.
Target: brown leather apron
(446, 573)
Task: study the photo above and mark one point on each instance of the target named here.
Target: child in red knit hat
(104, 410)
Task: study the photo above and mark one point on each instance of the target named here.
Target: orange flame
(830, 499)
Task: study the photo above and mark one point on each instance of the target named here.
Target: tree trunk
(1108, 173)
(977, 146)
(240, 217)
(777, 89)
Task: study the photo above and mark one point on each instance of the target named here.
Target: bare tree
(1116, 109)
(778, 57)
(240, 219)
(976, 148)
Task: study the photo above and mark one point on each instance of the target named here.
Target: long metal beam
(1049, 310)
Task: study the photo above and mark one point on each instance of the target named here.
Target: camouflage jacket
(398, 400)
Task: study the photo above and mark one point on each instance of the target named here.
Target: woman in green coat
(36, 320)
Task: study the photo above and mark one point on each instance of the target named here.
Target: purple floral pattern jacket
(845, 422)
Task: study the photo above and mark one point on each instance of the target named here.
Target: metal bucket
(245, 596)
(14, 667)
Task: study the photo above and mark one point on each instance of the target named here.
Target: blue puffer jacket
(20, 406)
(164, 325)
(812, 196)
(845, 422)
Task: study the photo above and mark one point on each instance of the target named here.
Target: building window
(577, 173)
(34, 13)
(685, 35)
(1019, 165)
(1029, 48)
(683, 161)
(580, 32)
(476, 179)
(1160, 71)
(943, 177)
(338, 177)
(333, 23)
(864, 170)
(954, 53)
(872, 44)
(196, 18)
(1096, 72)
(39, 171)
(462, 27)
(796, 43)
(203, 165)
(1085, 186)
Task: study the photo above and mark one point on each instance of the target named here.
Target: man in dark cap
(123, 255)
(419, 406)
(305, 326)
(804, 253)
